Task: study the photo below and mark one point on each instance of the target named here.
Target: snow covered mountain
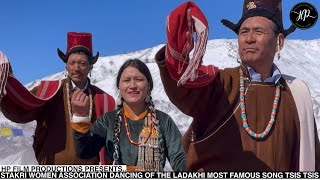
(299, 58)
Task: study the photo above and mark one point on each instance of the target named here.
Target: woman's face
(133, 86)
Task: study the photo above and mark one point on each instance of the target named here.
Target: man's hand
(80, 103)
(189, 35)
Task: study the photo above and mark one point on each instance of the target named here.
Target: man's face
(257, 41)
(78, 68)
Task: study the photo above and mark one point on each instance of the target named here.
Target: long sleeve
(173, 137)
(191, 101)
(16, 113)
(89, 144)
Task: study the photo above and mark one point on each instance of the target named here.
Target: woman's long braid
(160, 135)
(116, 137)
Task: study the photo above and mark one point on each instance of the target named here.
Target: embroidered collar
(129, 114)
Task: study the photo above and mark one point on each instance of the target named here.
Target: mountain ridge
(299, 58)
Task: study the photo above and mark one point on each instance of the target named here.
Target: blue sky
(32, 30)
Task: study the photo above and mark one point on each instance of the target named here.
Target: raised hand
(189, 36)
(80, 103)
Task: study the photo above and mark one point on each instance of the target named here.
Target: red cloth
(196, 75)
(22, 97)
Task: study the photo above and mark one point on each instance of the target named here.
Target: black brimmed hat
(271, 9)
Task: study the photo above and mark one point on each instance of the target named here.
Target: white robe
(302, 98)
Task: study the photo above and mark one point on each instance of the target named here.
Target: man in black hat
(247, 118)
(52, 104)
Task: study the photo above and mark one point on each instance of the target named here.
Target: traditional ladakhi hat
(271, 9)
(78, 41)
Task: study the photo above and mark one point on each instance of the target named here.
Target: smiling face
(257, 41)
(78, 68)
(133, 86)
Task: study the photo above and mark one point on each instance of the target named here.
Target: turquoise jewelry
(244, 115)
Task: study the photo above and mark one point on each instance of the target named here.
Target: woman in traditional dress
(135, 134)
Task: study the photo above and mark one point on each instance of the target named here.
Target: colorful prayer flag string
(5, 132)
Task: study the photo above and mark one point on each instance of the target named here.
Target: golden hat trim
(251, 5)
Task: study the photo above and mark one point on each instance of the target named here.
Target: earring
(238, 58)
(66, 73)
(90, 70)
(278, 52)
(119, 100)
(278, 46)
(148, 98)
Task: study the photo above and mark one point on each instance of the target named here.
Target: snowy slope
(298, 58)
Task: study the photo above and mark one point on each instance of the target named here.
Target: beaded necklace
(244, 115)
(151, 146)
(69, 102)
(128, 132)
